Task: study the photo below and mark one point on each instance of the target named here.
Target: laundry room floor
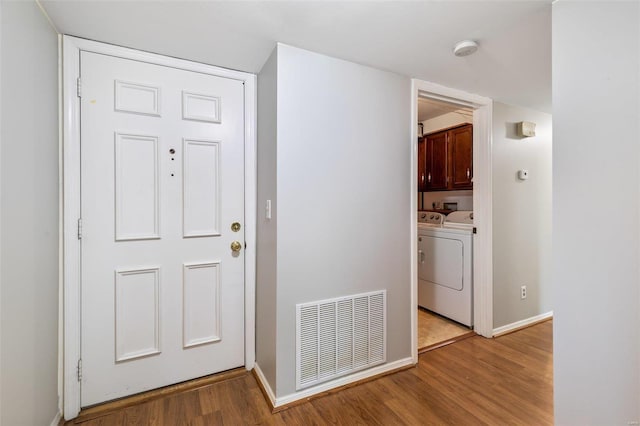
(435, 331)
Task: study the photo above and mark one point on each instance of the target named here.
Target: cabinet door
(422, 158)
(461, 146)
(436, 164)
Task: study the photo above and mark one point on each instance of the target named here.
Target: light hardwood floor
(434, 330)
(507, 380)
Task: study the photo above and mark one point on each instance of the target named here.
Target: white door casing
(156, 230)
(482, 202)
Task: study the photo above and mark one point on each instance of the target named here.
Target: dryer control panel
(431, 217)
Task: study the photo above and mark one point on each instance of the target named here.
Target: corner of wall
(266, 235)
(61, 236)
(47, 17)
(1, 209)
(29, 221)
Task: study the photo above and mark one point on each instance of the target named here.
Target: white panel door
(162, 181)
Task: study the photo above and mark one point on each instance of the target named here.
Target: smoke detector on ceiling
(465, 48)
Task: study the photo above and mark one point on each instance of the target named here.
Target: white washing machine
(445, 262)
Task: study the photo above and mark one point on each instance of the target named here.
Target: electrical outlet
(523, 292)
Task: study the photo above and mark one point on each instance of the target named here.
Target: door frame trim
(71, 301)
(482, 202)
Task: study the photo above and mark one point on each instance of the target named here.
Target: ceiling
(412, 38)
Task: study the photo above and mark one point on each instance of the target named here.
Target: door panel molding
(199, 218)
(137, 98)
(197, 295)
(134, 219)
(71, 227)
(129, 328)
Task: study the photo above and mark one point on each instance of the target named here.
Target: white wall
(29, 222)
(343, 196)
(521, 215)
(463, 198)
(596, 212)
(266, 260)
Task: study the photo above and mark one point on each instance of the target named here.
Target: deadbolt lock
(236, 246)
(235, 226)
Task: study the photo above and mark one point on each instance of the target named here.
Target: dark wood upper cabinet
(436, 162)
(461, 148)
(422, 162)
(445, 160)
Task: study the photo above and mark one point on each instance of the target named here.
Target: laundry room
(472, 169)
(445, 222)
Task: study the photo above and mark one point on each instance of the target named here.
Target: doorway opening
(458, 183)
(445, 196)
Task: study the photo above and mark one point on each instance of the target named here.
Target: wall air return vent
(339, 336)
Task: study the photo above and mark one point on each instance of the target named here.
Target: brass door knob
(235, 226)
(236, 246)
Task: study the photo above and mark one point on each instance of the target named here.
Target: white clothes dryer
(445, 268)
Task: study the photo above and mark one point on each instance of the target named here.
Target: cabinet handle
(421, 256)
(423, 178)
(429, 177)
(468, 173)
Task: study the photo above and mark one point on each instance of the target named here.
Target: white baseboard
(56, 419)
(265, 383)
(361, 375)
(520, 324)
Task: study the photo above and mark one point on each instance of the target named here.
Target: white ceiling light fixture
(465, 48)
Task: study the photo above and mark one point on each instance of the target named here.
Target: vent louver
(339, 336)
